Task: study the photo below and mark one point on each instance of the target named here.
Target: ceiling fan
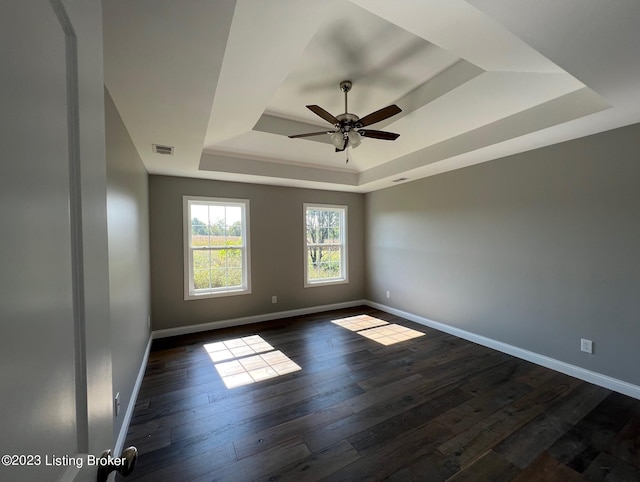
(349, 127)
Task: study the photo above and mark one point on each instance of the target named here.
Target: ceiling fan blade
(309, 134)
(387, 136)
(379, 115)
(319, 111)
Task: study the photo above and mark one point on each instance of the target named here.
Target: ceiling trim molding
(272, 169)
(568, 107)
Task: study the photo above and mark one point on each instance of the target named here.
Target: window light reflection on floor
(360, 322)
(246, 360)
(248, 345)
(378, 330)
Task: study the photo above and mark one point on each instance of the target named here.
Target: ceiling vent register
(160, 149)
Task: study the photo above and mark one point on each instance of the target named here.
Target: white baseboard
(563, 367)
(545, 361)
(119, 446)
(215, 325)
(122, 435)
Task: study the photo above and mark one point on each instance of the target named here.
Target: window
(216, 241)
(325, 244)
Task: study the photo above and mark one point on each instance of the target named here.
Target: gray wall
(276, 235)
(128, 237)
(536, 250)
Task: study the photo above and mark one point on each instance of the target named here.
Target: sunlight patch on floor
(360, 322)
(251, 359)
(377, 330)
(226, 350)
(390, 334)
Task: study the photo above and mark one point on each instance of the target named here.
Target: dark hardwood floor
(430, 408)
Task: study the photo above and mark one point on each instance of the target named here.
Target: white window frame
(190, 293)
(344, 258)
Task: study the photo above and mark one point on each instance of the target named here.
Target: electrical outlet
(116, 405)
(586, 345)
(388, 294)
(274, 299)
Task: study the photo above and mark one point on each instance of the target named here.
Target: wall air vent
(400, 179)
(160, 149)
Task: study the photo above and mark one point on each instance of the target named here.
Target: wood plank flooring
(431, 408)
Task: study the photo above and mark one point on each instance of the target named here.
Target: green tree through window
(325, 235)
(216, 247)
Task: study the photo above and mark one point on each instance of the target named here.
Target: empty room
(301, 240)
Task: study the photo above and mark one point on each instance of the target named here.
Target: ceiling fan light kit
(337, 138)
(355, 139)
(349, 127)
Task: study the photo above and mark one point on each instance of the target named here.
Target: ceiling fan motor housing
(348, 121)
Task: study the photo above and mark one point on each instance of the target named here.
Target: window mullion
(212, 226)
(325, 253)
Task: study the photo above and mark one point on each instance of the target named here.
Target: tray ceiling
(224, 83)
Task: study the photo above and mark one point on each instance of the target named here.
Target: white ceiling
(226, 81)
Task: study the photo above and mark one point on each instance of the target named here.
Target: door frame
(81, 23)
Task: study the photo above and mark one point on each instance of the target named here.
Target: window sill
(313, 284)
(216, 294)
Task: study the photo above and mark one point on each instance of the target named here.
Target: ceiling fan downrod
(345, 86)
